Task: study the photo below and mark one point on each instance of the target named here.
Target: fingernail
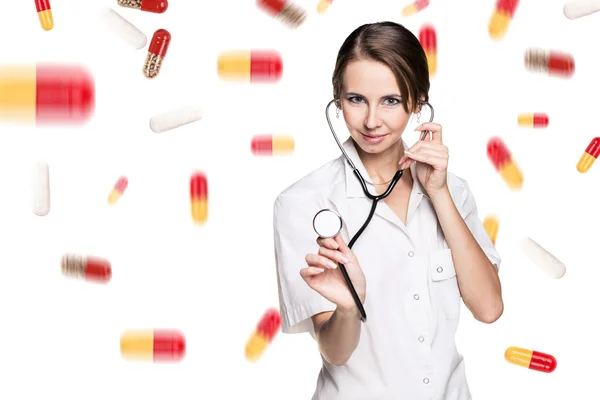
(333, 265)
(407, 152)
(345, 260)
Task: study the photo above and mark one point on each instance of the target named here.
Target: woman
(424, 249)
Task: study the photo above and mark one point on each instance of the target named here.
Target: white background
(60, 337)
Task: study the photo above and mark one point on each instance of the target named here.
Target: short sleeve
(294, 238)
(468, 211)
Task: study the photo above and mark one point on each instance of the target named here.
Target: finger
(330, 243)
(346, 251)
(315, 260)
(436, 162)
(333, 255)
(435, 129)
(310, 271)
(435, 152)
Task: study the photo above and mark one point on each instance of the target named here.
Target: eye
(390, 101)
(355, 99)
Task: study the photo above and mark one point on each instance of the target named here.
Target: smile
(373, 139)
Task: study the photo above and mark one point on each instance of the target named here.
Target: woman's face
(373, 106)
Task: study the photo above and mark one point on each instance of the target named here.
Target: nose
(372, 120)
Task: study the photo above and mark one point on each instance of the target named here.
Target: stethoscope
(328, 223)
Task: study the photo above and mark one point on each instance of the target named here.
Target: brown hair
(393, 45)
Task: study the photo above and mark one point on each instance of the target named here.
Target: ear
(338, 104)
(420, 104)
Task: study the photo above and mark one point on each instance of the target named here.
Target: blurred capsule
(46, 94)
(199, 197)
(415, 7)
(272, 145)
(263, 335)
(124, 29)
(502, 160)
(153, 6)
(323, 6)
(530, 359)
(502, 15)
(41, 189)
(589, 156)
(175, 118)
(491, 225)
(285, 10)
(118, 190)
(428, 39)
(250, 66)
(88, 268)
(581, 8)
(533, 120)
(44, 14)
(550, 62)
(153, 345)
(156, 53)
(551, 265)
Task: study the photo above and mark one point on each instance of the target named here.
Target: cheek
(398, 121)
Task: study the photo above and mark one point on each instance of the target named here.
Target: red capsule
(551, 62)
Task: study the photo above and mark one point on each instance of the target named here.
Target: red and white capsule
(88, 268)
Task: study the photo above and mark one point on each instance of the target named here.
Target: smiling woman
(424, 249)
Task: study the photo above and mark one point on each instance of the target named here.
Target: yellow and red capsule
(502, 15)
(44, 14)
(503, 161)
(533, 120)
(263, 335)
(272, 145)
(530, 359)
(589, 156)
(415, 7)
(117, 191)
(163, 345)
(199, 197)
(428, 39)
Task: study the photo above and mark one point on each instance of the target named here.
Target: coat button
(440, 269)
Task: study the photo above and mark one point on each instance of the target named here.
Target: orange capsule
(533, 120)
(272, 145)
(263, 335)
(530, 359)
(118, 190)
(199, 197)
(589, 156)
(428, 39)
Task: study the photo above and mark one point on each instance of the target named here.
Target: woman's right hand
(324, 276)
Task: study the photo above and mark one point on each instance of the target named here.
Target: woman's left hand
(431, 156)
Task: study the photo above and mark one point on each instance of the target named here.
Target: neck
(382, 167)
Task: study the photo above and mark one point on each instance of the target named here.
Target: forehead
(370, 78)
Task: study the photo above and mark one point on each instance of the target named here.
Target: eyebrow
(382, 97)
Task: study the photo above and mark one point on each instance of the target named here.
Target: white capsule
(125, 29)
(41, 189)
(551, 265)
(175, 118)
(581, 8)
